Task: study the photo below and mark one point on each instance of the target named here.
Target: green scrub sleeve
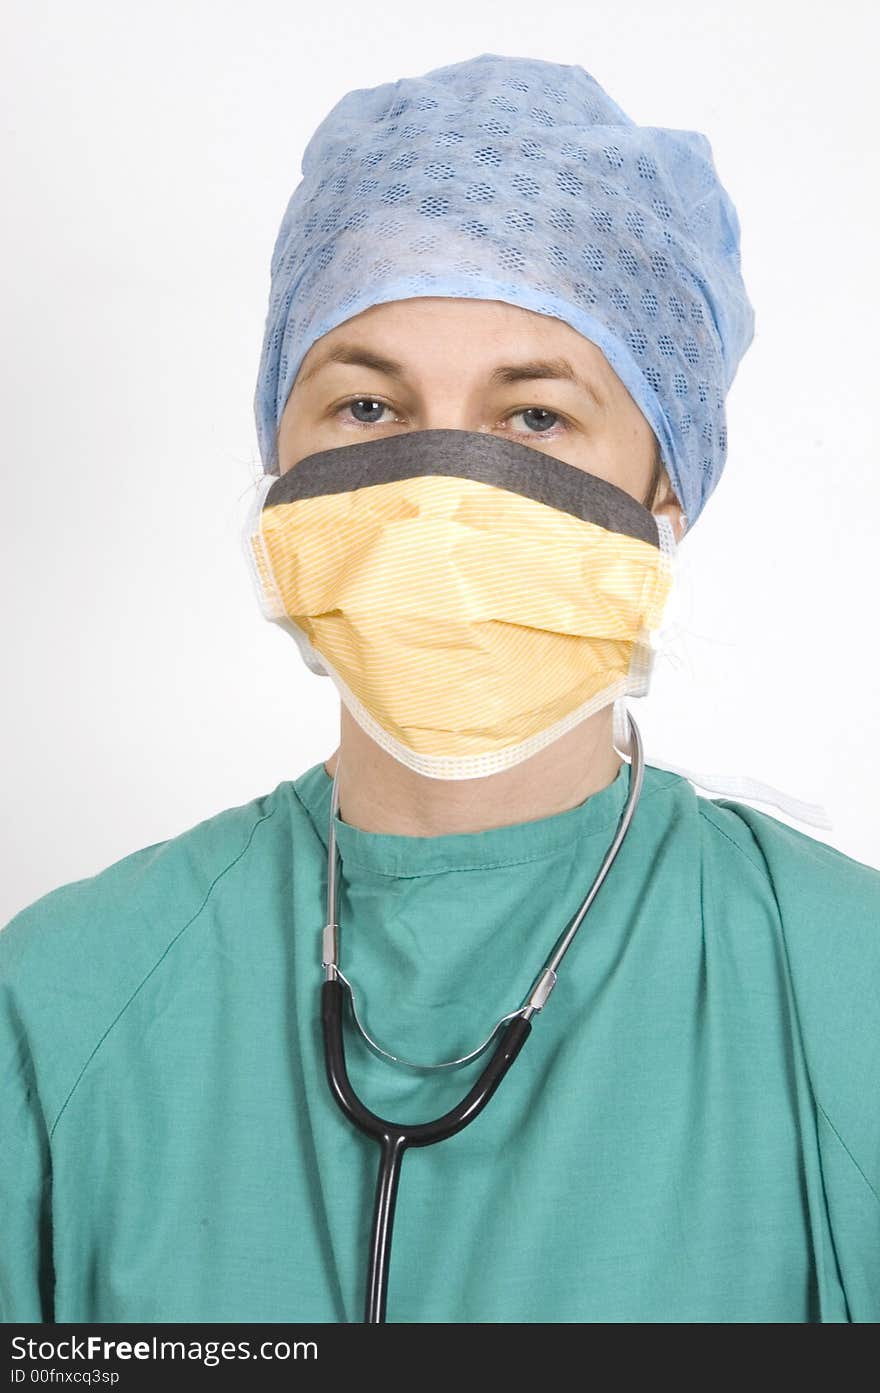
(25, 1180)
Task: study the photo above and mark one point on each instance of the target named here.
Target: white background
(149, 152)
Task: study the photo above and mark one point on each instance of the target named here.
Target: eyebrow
(535, 370)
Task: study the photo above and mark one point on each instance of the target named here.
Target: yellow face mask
(472, 598)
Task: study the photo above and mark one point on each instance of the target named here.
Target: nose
(454, 414)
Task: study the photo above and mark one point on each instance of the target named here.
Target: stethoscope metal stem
(394, 1138)
(546, 980)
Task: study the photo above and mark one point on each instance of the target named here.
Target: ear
(670, 507)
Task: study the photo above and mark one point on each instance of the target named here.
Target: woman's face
(478, 365)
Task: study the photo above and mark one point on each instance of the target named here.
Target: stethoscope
(395, 1137)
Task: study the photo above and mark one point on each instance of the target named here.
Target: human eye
(372, 409)
(539, 420)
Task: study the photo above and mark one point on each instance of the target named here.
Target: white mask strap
(727, 785)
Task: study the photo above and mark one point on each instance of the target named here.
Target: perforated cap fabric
(520, 180)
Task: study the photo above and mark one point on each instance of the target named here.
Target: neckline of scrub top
(400, 855)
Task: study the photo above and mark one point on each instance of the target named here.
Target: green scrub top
(690, 1134)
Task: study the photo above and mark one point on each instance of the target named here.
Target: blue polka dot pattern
(520, 180)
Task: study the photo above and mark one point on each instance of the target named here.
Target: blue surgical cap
(520, 180)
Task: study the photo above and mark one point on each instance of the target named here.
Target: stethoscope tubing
(395, 1137)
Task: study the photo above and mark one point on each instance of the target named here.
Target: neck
(379, 794)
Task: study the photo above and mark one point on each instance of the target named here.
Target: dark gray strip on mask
(470, 455)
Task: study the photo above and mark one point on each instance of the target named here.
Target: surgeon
(503, 321)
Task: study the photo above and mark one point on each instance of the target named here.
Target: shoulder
(71, 960)
(806, 874)
(736, 839)
(825, 904)
(828, 903)
(828, 908)
(122, 894)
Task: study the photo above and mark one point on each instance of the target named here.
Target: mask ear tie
(727, 785)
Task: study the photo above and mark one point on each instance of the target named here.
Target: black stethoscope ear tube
(394, 1137)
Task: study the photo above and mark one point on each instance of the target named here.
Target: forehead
(476, 335)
